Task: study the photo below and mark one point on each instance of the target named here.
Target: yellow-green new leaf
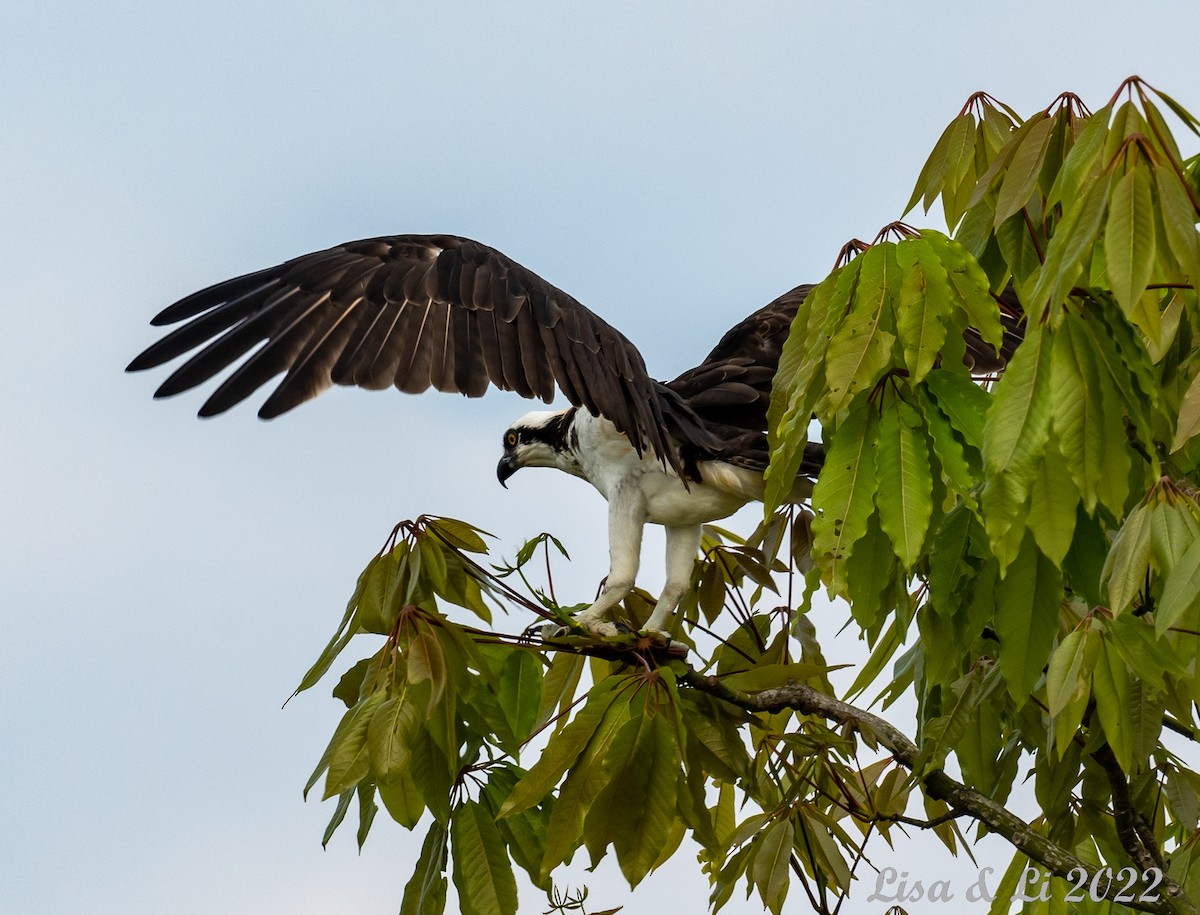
(1189, 416)
(1129, 237)
(1179, 221)
(1128, 559)
(1181, 593)
(425, 892)
(1068, 682)
(770, 869)
(482, 872)
(348, 756)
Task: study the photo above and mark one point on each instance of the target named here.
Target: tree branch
(937, 784)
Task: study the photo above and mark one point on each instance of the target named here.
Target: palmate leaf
(904, 478)
(562, 750)
(636, 810)
(585, 780)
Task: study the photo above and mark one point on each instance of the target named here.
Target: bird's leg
(682, 544)
(625, 519)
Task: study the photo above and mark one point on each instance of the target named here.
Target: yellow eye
(510, 439)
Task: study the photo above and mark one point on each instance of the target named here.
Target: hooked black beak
(506, 468)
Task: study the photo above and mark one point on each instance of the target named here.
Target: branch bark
(937, 784)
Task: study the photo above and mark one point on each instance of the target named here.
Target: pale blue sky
(165, 581)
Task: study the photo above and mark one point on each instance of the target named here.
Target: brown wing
(411, 311)
(731, 389)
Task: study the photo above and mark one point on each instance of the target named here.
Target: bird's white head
(538, 439)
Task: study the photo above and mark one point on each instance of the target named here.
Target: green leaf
(1068, 683)
(389, 736)
(345, 631)
(638, 804)
(1054, 496)
(923, 306)
(1018, 423)
(933, 172)
(942, 734)
(768, 676)
(1020, 249)
(769, 869)
(425, 892)
(963, 401)
(339, 815)
(460, 534)
(1129, 237)
(482, 873)
(348, 756)
(1079, 167)
(843, 496)
(861, 349)
(559, 683)
(562, 750)
(1189, 416)
(904, 479)
(1077, 409)
(1114, 699)
(402, 799)
(1027, 602)
(521, 691)
(1181, 592)
(1128, 559)
(1022, 173)
(1074, 237)
(1179, 220)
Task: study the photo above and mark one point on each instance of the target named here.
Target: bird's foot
(605, 629)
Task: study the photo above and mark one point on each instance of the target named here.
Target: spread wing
(411, 311)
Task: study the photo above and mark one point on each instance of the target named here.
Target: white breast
(609, 462)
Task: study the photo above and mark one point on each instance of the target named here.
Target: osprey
(445, 312)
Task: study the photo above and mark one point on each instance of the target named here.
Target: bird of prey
(422, 311)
